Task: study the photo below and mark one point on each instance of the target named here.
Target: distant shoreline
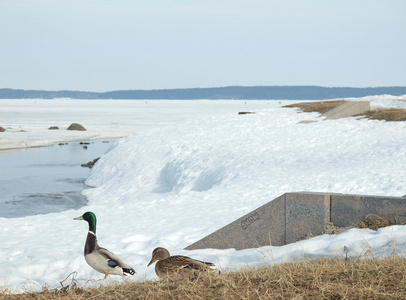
(214, 93)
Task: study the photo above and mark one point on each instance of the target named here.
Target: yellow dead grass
(384, 114)
(318, 279)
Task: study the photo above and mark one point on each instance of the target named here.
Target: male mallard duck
(100, 259)
(176, 264)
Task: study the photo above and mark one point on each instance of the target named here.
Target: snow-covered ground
(195, 168)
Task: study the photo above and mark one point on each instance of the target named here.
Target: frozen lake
(46, 179)
(27, 120)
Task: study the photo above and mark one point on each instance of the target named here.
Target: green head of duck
(90, 218)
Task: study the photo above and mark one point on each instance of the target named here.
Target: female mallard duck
(100, 259)
(176, 264)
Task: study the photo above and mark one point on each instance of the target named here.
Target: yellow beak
(78, 218)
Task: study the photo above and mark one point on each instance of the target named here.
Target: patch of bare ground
(375, 222)
(384, 114)
(318, 279)
(320, 107)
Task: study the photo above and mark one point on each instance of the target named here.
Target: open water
(46, 179)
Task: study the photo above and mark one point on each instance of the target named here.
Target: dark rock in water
(84, 144)
(246, 112)
(2, 129)
(76, 126)
(61, 144)
(53, 128)
(91, 163)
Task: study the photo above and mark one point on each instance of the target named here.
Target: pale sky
(100, 45)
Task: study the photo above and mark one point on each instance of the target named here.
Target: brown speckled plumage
(177, 264)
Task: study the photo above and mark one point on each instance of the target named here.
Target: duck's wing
(113, 261)
(185, 262)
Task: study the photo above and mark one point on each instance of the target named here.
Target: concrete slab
(347, 210)
(296, 216)
(307, 214)
(262, 227)
(348, 109)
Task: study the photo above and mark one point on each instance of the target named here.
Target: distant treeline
(231, 92)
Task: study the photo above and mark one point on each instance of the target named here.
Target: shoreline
(21, 145)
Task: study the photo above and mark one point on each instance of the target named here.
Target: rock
(91, 163)
(246, 112)
(76, 126)
(2, 129)
(53, 128)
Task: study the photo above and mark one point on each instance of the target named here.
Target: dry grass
(320, 107)
(319, 279)
(375, 222)
(384, 114)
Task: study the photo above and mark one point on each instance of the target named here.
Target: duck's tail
(129, 272)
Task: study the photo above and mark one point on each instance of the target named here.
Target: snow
(27, 121)
(187, 168)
